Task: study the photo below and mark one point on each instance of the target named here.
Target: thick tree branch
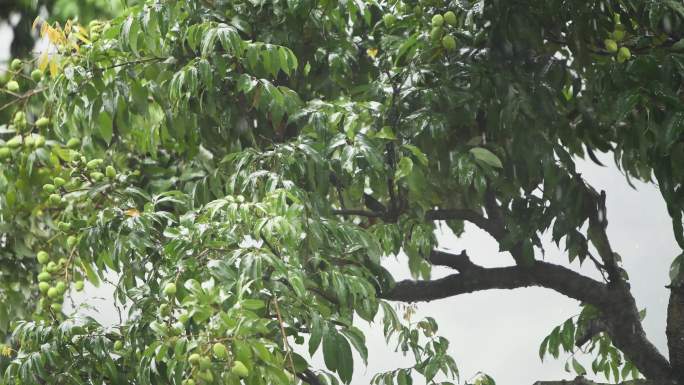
(675, 331)
(558, 278)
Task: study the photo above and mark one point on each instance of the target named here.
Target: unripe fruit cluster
(439, 22)
(611, 44)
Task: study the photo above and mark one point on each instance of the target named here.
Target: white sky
(498, 332)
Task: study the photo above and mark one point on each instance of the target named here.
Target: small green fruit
(49, 188)
(450, 18)
(59, 182)
(43, 287)
(55, 199)
(56, 307)
(165, 310)
(623, 54)
(29, 141)
(61, 287)
(220, 351)
(110, 171)
(5, 153)
(14, 142)
(42, 122)
(53, 293)
(449, 43)
(206, 375)
(51, 267)
(96, 176)
(118, 345)
(611, 45)
(194, 359)
(37, 75)
(619, 32)
(389, 20)
(73, 143)
(239, 369)
(40, 141)
(189, 381)
(170, 289)
(71, 241)
(184, 318)
(94, 164)
(436, 33)
(44, 276)
(15, 65)
(12, 86)
(43, 257)
(205, 363)
(437, 20)
(78, 285)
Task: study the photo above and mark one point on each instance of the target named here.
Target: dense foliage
(243, 167)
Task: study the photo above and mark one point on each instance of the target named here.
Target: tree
(243, 167)
(60, 10)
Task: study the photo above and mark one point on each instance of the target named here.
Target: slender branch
(360, 213)
(460, 262)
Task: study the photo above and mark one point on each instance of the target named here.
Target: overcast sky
(499, 331)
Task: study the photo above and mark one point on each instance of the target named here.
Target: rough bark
(675, 331)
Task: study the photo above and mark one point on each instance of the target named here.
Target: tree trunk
(675, 331)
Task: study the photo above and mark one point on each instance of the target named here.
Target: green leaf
(486, 156)
(106, 126)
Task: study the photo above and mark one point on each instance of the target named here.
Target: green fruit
(55, 199)
(436, 33)
(5, 153)
(43, 257)
(206, 375)
(220, 351)
(37, 75)
(29, 141)
(61, 287)
(42, 122)
(96, 176)
(389, 20)
(205, 363)
(4, 77)
(623, 54)
(450, 18)
(43, 287)
(64, 226)
(15, 65)
(118, 345)
(62, 261)
(73, 143)
(170, 289)
(94, 164)
(189, 381)
(78, 285)
(449, 43)
(14, 142)
(94, 36)
(239, 369)
(611, 45)
(49, 188)
(59, 182)
(44, 276)
(437, 20)
(40, 141)
(12, 86)
(51, 267)
(194, 359)
(110, 171)
(165, 310)
(71, 241)
(56, 307)
(53, 293)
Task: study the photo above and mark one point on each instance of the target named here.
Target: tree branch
(583, 381)
(558, 278)
(460, 262)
